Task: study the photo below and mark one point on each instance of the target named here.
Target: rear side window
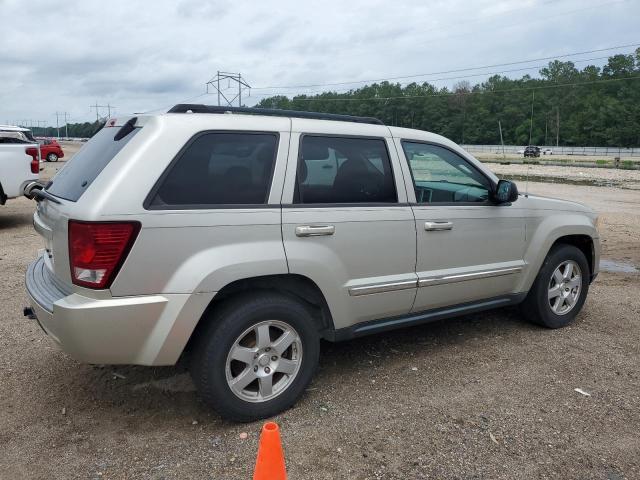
(85, 166)
(217, 169)
(344, 170)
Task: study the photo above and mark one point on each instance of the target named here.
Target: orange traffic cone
(270, 462)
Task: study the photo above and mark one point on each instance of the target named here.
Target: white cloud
(66, 55)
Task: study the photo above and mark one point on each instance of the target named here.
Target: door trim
(463, 277)
(382, 288)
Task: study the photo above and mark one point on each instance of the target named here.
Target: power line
(482, 92)
(431, 80)
(451, 71)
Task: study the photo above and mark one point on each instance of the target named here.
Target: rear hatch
(66, 190)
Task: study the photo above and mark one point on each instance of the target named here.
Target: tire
(52, 157)
(232, 328)
(547, 305)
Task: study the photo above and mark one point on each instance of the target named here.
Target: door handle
(314, 230)
(437, 226)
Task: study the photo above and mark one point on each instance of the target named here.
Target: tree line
(72, 130)
(589, 107)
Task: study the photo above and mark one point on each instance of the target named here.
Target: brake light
(97, 250)
(35, 161)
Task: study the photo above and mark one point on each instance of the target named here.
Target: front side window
(442, 176)
(344, 170)
(219, 169)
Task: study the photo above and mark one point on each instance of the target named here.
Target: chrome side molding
(382, 288)
(429, 281)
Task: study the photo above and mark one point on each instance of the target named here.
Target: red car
(50, 150)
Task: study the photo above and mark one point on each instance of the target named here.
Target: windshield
(85, 166)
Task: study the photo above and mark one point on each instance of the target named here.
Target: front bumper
(142, 330)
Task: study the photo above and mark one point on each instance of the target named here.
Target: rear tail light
(97, 250)
(35, 161)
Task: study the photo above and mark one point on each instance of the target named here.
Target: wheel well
(296, 286)
(583, 242)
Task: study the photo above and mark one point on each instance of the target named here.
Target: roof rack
(198, 108)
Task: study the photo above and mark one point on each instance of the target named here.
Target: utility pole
(43, 122)
(230, 77)
(557, 126)
(546, 124)
(66, 125)
(501, 141)
(533, 96)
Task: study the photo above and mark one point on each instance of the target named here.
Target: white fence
(586, 151)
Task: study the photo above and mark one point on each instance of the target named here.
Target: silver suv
(245, 236)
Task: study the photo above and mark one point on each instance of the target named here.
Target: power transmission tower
(97, 107)
(229, 77)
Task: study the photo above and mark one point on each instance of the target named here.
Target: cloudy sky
(147, 55)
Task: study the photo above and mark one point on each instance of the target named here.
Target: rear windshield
(85, 166)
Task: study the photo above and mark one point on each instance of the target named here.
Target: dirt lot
(484, 396)
(564, 159)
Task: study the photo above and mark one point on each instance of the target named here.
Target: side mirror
(505, 192)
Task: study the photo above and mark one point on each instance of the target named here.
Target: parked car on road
(547, 151)
(19, 161)
(50, 150)
(531, 151)
(247, 235)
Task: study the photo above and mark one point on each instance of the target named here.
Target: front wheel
(52, 157)
(560, 289)
(256, 357)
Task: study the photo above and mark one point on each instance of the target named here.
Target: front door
(468, 248)
(346, 224)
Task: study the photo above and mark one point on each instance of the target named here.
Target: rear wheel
(256, 357)
(52, 157)
(560, 289)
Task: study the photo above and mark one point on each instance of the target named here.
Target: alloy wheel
(263, 361)
(565, 287)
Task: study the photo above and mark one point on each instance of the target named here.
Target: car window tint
(442, 176)
(85, 166)
(344, 170)
(220, 169)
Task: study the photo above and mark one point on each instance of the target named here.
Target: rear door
(346, 223)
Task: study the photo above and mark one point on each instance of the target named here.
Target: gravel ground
(483, 396)
(628, 179)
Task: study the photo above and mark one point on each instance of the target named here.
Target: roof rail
(198, 108)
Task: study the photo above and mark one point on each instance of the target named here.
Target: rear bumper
(142, 330)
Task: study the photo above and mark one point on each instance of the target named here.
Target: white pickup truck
(19, 161)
